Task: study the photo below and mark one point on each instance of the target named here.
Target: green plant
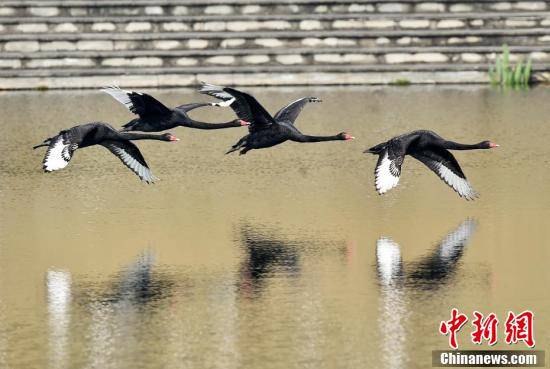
(400, 82)
(504, 74)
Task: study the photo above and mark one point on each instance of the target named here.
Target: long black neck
(140, 136)
(202, 125)
(306, 138)
(458, 146)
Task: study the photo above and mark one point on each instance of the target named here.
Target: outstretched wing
(245, 106)
(59, 153)
(444, 164)
(130, 156)
(218, 93)
(388, 170)
(138, 103)
(291, 111)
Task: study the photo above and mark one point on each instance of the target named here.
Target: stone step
(241, 23)
(61, 78)
(226, 7)
(62, 72)
(274, 57)
(27, 43)
(107, 3)
(192, 80)
(228, 46)
(276, 69)
(359, 33)
(380, 50)
(270, 16)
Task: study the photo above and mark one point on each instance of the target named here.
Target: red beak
(174, 139)
(244, 122)
(492, 145)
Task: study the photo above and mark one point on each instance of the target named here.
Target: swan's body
(430, 149)
(154, 116)
(62, 146)
(265, 130)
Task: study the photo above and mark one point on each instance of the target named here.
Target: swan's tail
(376, 149)
(232, 149)
(129, 126)
(238, 145)
(46, 143)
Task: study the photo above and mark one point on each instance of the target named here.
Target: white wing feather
(459, 184)
(58, 155)
(217, 92)
(120, 95)
(385, 178)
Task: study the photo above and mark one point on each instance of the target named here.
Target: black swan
(154, 116)
(265, 130)
(62, 146)
(429, 148)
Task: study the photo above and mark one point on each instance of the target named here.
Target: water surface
(283, 258)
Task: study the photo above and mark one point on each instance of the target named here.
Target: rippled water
(283, 258)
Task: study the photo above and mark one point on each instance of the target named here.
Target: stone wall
(142, 43)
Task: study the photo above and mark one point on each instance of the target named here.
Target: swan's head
(344, 136)
(489, 145)
(241, 122)
(169, 137)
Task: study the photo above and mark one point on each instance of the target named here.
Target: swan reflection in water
(438, 267)
(432, 270)
(265, 256)
(58, 289)
(397, 278)
(112, 306)
(138, 284)
(118, 305)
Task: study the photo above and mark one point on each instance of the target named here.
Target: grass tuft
(400, 82)
(502, 73)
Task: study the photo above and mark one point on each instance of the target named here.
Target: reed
(502, 73)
